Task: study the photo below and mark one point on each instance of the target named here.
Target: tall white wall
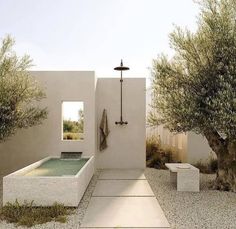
(126, 144)
(37, 142)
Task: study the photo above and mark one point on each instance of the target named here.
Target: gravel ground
(74, 220)
(185, 210)
(206, 209)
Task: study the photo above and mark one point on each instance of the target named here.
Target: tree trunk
(225, 150)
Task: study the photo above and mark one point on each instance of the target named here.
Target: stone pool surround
(46, 190)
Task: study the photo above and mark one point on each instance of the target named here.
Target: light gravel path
(206, 209)
(184, 210)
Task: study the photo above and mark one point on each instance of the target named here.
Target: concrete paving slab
(123, 188)
(125, 228)
(128, 212)
(122, 174)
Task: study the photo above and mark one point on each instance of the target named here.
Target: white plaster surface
(116, 212)
(123, 188)
(198, 148)
(32, 144)
(186, 179)
(175, 167)
(46, 190)
(127, 143)
(122, 174)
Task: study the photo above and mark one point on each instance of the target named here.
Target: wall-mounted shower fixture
(121, 68)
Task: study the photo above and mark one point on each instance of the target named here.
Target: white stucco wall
(198, 148)
(32, 144)
(126, 144)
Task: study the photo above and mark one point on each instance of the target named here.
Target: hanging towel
(104, 131)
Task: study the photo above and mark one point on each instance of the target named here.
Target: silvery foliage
(19, 92)
(196, 89)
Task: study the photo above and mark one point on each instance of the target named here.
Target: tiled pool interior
(58, 167)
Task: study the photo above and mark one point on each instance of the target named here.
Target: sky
(71, 110)
(95, 34)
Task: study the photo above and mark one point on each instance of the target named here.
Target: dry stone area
(207, 209)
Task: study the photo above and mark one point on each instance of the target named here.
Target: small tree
(18, 92)
(196, 89)
(81, 121)
(69, 126)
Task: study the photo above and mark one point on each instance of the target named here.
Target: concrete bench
(184, 176)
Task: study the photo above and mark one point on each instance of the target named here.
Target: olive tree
(195, 90)
(19, 92)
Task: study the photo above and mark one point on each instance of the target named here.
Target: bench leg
(188, 180)
(173, 178)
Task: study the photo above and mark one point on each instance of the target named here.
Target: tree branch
(216, 142)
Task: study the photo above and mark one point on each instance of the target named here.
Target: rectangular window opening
(72, 120)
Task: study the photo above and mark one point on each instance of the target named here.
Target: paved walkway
(123, 199)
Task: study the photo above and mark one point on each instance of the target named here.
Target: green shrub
(213, 165)
(28, 215)
(203, 167)
(156, 157)
(209, 167)
(70, 136)
(61, 219)
(152, 146)
(73, 126)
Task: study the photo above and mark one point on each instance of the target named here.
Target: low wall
(198, 148)
(189, 147)
(186, 147)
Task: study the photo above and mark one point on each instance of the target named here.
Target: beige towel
(104, 131)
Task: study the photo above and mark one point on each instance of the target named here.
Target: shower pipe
(121, 68)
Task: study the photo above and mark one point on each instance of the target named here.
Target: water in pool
(58, 167)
